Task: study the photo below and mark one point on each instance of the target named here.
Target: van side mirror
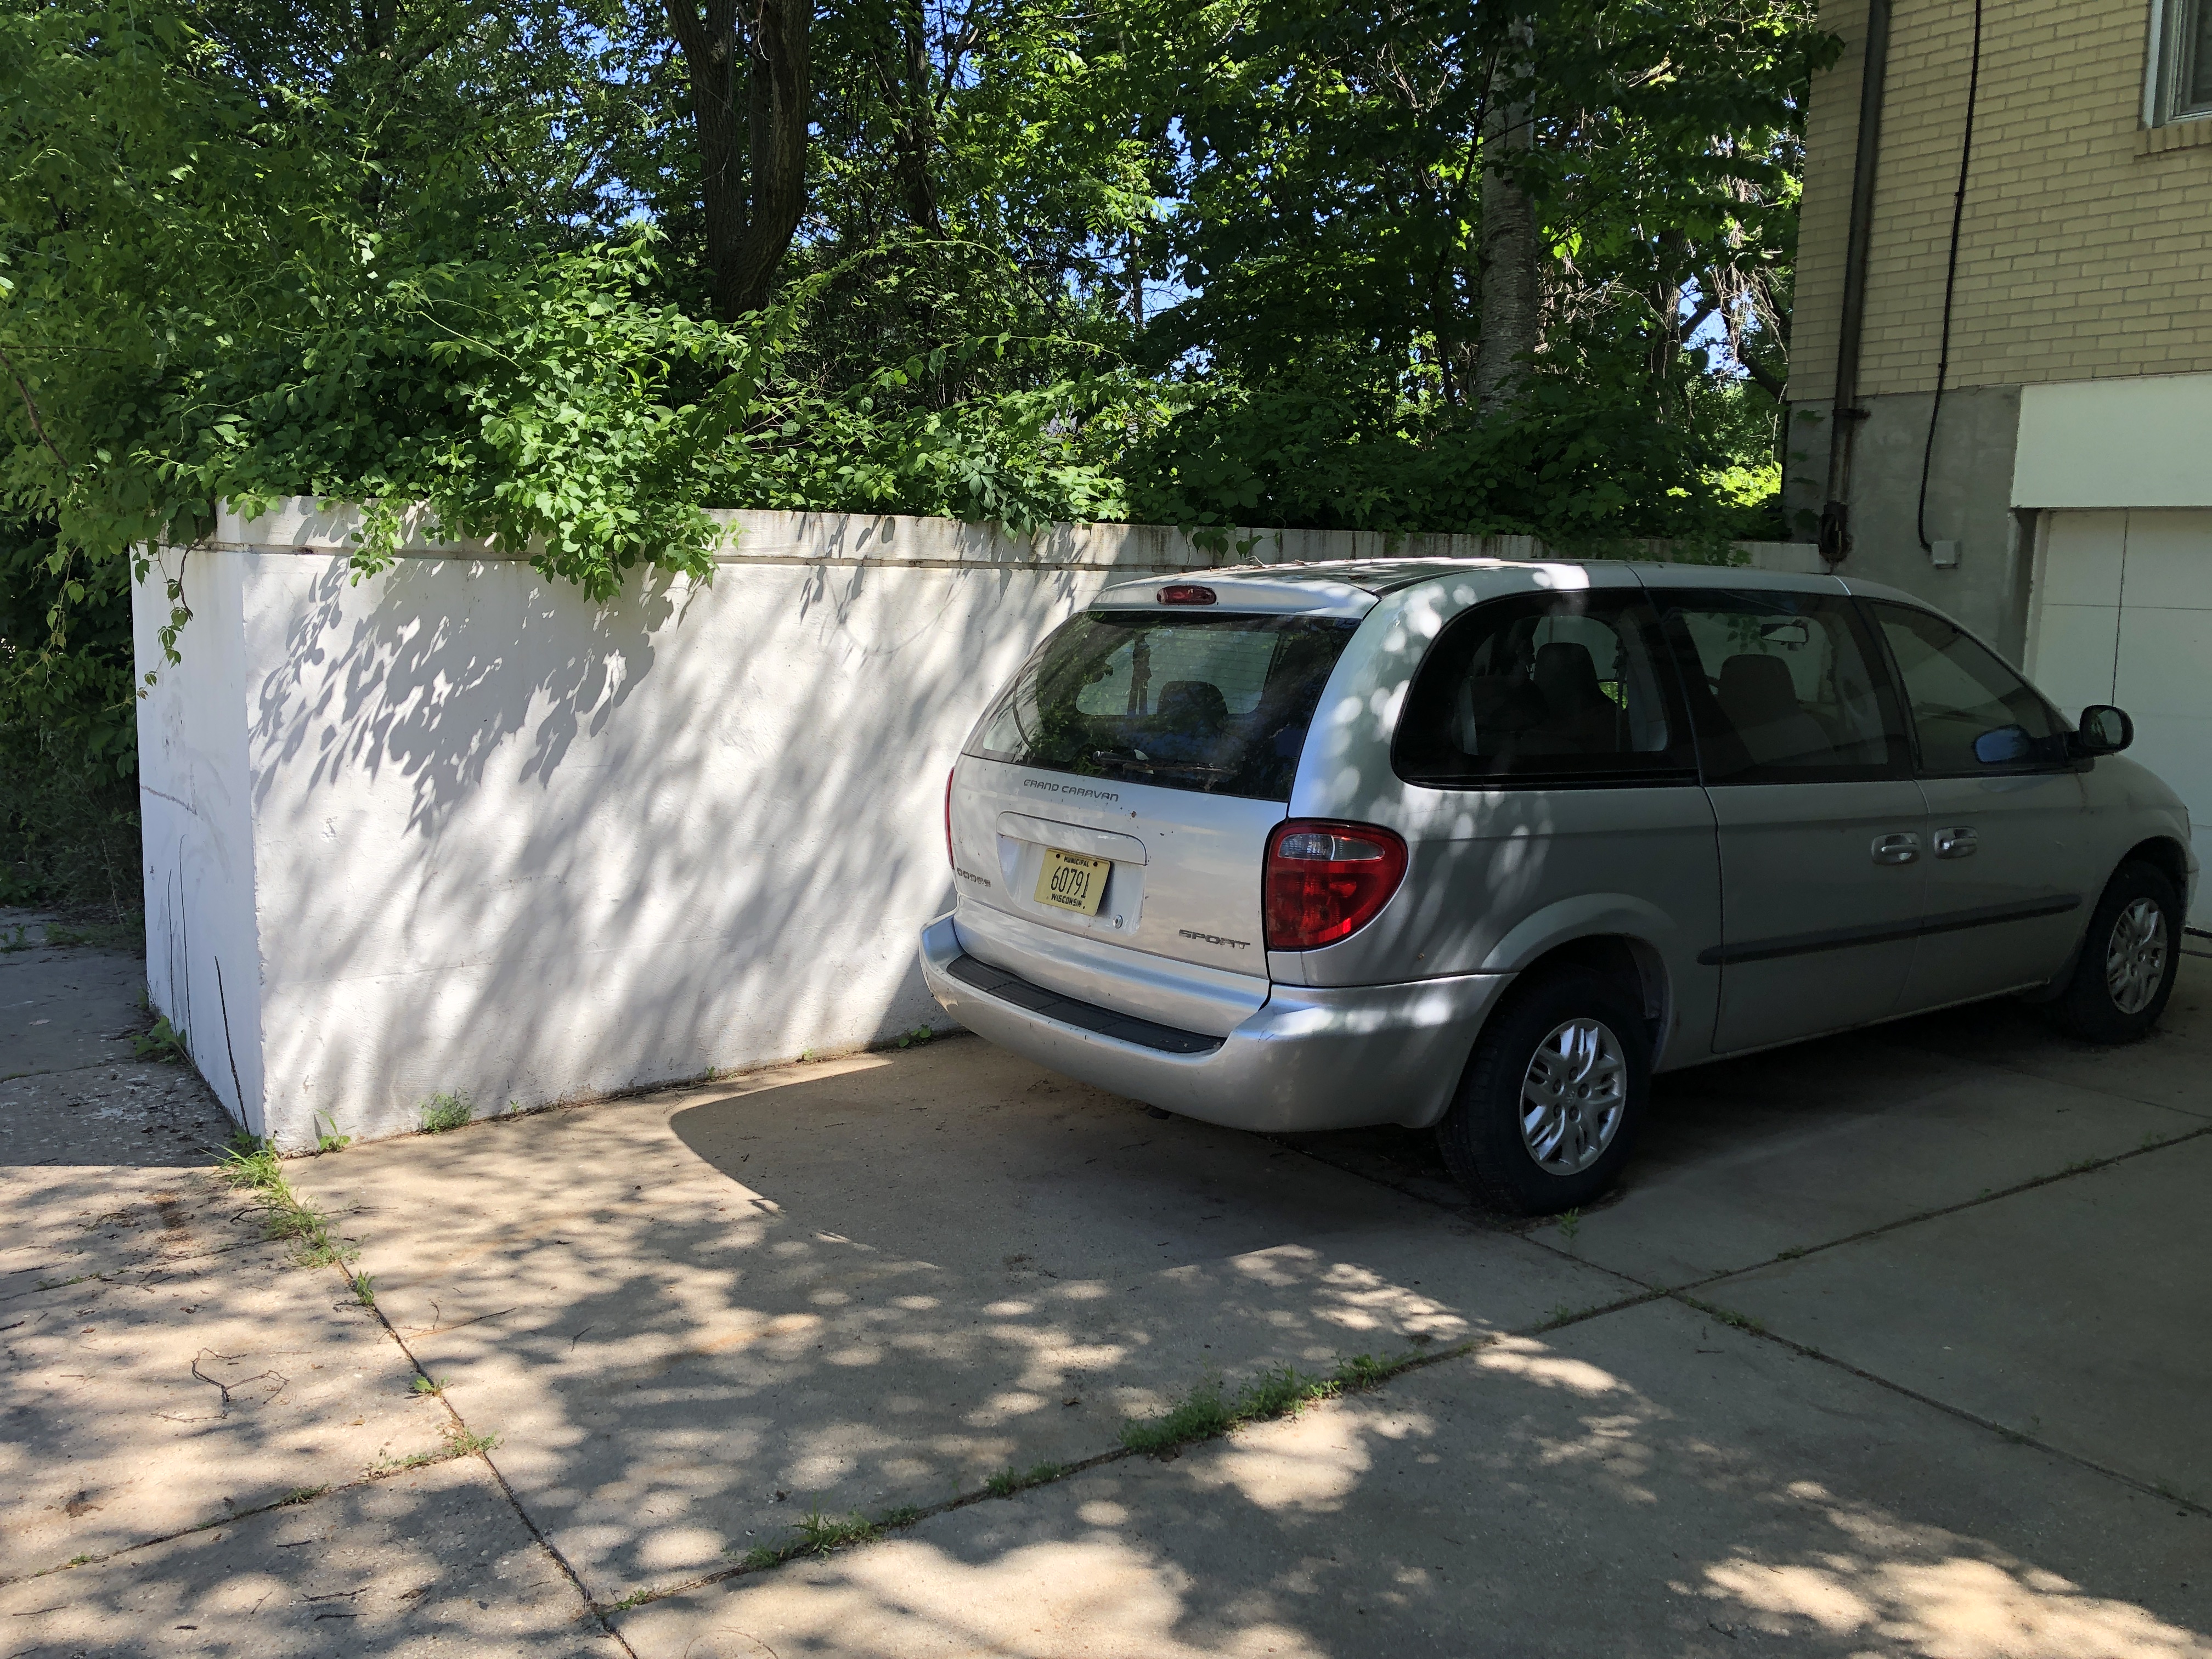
(2103, 729)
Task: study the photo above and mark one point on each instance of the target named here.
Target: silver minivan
(1480, 846)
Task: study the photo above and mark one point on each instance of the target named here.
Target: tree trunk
(906, 92)
(1508, 319)
(782, 89)
(754, 193)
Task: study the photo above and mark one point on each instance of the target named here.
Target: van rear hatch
(1118, 797)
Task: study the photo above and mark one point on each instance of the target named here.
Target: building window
(2181, 62)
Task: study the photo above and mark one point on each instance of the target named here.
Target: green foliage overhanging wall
(1207, 262)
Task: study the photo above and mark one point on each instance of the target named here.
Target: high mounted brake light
(1185, 594)
(1326, 881)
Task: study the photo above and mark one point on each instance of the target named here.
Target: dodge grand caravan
(1481, 845)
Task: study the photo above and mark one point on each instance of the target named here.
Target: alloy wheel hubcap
(1572, 1097)
(2134, 957)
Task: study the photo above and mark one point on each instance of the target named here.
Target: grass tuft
(459, 1443)
(1726, 1316)
(251, 1162)
(446, 1111)
(299, 1495)
(1007, 1482)
(364, 1290)
(820, 1533)
(1207, 1410)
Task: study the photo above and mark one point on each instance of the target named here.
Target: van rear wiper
(1135, 760)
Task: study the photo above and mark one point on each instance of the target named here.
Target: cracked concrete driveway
(1892, 1343)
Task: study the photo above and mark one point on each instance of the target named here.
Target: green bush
(69, 762)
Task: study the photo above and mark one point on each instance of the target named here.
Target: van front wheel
(1553, 1097)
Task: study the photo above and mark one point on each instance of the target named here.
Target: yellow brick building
(2064, 507)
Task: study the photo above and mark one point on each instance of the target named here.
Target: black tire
(1481, 1136)
(2094, 1007)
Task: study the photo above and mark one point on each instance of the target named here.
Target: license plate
(1070, 881)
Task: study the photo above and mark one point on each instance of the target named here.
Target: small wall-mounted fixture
(1944, 556)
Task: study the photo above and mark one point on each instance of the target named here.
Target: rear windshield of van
(1219, 703)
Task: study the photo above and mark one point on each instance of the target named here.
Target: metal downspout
(1835, 533)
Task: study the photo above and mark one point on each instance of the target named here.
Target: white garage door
(2122, 613)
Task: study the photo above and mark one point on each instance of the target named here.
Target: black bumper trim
(1086, 1015)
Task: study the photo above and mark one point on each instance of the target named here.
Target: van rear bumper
(1306, 1059)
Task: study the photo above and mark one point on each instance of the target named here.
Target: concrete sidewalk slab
(97, 1173)
(875, 1283)
(432, 1562)
(2079, 1313)
(1645, 1483)
(120, 1114)
(2169, 1067)
(182, 1391)
(1744, 1159)
(63, 1007)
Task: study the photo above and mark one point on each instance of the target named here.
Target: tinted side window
(1785, 688)
(1970, 713)
(1543, 688)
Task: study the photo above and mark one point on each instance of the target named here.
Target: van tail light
(1326, 881)
(949, 858)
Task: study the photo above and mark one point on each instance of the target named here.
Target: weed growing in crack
(1726, 1316)
(459, 1443)
(819, 1534)
(329, 1139)
(1207, 1411)
(364, 1290)
(299, 1495)
(430, 1385)
(1570, 1224)
(161, 1041)
(251, 1162)
(446, 1111)
(916, 1038)
(637, 1598)
(1007, 1482)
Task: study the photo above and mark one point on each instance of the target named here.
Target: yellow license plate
(1070, 881)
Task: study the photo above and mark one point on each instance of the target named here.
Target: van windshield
(1219, 703)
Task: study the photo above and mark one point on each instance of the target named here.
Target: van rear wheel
(1553, 1097)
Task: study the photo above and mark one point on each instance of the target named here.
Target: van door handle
(1899, 848)
(1959, 843)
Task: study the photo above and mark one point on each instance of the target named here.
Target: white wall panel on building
(2123, 614)
(2130, 441)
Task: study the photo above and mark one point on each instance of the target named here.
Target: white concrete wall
(203, 948)
(456, 828)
